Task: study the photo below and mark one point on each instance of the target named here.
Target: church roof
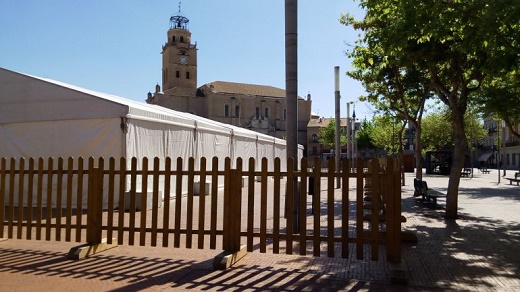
(323, 122)
(245, 89)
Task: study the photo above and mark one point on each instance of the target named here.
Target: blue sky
(114, 46)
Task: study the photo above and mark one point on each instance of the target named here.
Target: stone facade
(259, 108)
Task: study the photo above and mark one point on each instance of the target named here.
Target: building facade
(259, 108)
(500, 145)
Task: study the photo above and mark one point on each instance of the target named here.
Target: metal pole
(499, 160)
(338, 123)
(348, 131)
(291, 94)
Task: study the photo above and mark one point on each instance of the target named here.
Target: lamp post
(499, 160)
(337, 124)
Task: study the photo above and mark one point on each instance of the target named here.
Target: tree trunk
(459, 152)
(417, 150)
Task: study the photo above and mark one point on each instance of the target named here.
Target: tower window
(257, 115)
(173, 39)
(187, 75)
(266, 113)
(285, 114)
(237, 110)
(177, 74)
(182, 39)
(226, 110)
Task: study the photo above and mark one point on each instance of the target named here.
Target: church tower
(179, 56)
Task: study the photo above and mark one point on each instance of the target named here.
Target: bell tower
(179, 56)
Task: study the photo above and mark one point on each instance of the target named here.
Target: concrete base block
(138, 197)
(399, 273)
(86, 250)
(196, 188)
(227, 259)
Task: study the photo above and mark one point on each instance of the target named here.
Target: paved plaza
(477, 252)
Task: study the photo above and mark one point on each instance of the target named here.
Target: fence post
(95, 242)
(233, 251)
(95, 206)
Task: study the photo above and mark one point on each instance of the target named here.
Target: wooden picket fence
(185, 204)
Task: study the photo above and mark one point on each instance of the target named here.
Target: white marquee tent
(40, 117)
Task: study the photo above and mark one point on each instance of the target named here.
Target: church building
(260, 108)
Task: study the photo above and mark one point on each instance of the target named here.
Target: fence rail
(196, 204)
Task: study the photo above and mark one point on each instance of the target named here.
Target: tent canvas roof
(27, 98)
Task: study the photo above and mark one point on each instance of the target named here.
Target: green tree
(438, 131)
(500, 98)
(387, 133)
(457, 44)
(364, 140)
(327, 134)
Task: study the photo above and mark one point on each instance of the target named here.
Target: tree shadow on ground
(133, 273)
(468, 252)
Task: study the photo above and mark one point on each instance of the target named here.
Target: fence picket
(302, 193)
(359, 209)
(48, 205)
(68, 219)
(345, 205)
(39, 200)
(178, 201)
(331, 177)
(189, 211)
(144, 198)
(20, 198)
(30, 193)
(263, 205)
(121, 210)
(214, 196)
(202, 203)
(316, 207)
(110, 207)
(59, 197)
(155, 200)
(289, 207)
(79, 199)
(2, 197)
(166, 213)
(276, 206)
(250, 204)
(133, 186)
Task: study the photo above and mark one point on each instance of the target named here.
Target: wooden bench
(483, 169)
(516, 179)
(465, 172)
(428, 195)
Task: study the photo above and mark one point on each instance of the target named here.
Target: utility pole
(291, 96)
(337, 121)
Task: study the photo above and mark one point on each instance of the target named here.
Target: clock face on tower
(184, 60)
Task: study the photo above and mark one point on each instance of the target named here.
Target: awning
(485, 156)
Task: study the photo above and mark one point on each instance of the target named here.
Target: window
(257, 115)
(314, 150)
(314, 138)
(266, 114)
(173, 39)
(514, 159)
(285, 114)
(237, 110)
(177, 74)
(187, 75)
(182, 39)
(226, 110)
